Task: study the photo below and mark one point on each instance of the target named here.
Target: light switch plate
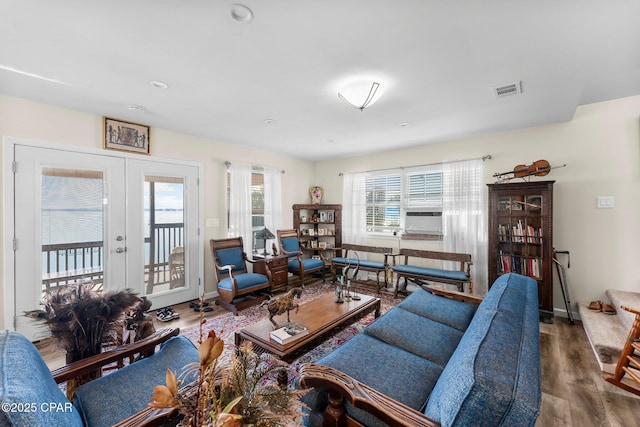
(605, 202)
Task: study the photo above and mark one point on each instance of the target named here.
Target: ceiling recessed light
(404, 124)
(269, 121)
(241, 13)
(136, 108)
(158, 84)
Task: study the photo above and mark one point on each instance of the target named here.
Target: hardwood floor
(573, 390)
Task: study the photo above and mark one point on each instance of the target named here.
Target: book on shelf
(289, 333)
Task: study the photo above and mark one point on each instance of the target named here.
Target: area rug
(227, 324)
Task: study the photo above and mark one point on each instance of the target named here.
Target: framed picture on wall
(126, 136)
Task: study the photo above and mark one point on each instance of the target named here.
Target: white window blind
(383, 192)
(423, 189)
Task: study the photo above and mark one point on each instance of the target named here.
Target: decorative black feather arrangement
(83, 320)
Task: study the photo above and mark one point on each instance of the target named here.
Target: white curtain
(272, 201)
(464, 222)
(354, 209)
(240, 205)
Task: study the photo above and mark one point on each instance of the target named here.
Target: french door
(114, 222)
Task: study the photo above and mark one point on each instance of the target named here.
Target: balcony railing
(67, 263)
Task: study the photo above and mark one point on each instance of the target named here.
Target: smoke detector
(507, 90)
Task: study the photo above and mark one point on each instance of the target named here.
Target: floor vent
(507, 90)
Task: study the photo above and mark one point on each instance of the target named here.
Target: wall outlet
(605, 202)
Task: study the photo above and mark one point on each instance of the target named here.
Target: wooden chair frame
(284, 234)
(145, 347)
(232, 299)
(629, 362)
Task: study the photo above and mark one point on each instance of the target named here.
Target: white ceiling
(437, 61)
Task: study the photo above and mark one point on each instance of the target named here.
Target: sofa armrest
(145, 347)
(360, 396)
(454, 295)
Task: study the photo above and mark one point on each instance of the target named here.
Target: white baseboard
(558, 312)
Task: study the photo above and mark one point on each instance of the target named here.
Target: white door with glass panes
(107, 220)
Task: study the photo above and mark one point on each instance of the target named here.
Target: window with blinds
(424, 189)
(383, 202)
(395, 197)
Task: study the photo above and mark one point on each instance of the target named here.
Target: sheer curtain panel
(240, 205)
(273, 199)
(464, 222)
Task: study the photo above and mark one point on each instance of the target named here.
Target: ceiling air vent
(507, 90)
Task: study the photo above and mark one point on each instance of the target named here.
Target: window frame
(410, 198)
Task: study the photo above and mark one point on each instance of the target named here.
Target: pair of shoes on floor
(195, 305)
(166, 314)
(599, 306)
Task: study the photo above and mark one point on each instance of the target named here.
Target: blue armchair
(289, 241)
(31, 397)
(237, 287)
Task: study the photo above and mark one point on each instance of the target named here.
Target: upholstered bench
(439, 358)
(351, 259)
(405, 270)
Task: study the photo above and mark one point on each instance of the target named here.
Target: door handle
(120, 250)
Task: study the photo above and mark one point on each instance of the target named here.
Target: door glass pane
(164, 234)
(72, 218)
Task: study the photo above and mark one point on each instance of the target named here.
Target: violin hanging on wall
(537, 168)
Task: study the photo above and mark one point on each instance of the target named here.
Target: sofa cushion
(120, 394)
(415, 334)
(431, 272)
(27, 384)
(308, 263)
(362, 263)
(456, 314)
(386, 368)
(244, 280)
(494, 374)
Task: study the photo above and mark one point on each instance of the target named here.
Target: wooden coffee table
(321, 316)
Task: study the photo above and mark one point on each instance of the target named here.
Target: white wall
(30, 120)
(601, 147)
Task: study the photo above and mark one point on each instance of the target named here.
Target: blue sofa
(31, 397)
(439, 358)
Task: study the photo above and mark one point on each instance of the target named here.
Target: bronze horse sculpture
(278, 306)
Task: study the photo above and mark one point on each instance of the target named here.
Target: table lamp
(265, 234)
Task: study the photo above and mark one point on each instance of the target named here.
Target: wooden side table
(278, 267)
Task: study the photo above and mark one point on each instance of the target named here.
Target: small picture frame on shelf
(323, 217)
(312, 232)
(305, 231)
(316, 257)
(303, 218)
(330, 217)
(322, 245)
(322, 232)
(314, 243)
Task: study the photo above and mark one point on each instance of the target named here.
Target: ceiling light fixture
(158, 84)
(241, 13)
(136, 108)
(360, 94)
